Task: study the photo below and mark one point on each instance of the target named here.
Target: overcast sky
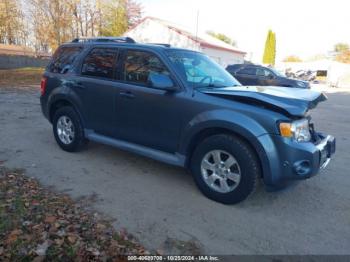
(303, 27)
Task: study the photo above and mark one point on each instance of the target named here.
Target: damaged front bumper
(327, 149)
(290, 160)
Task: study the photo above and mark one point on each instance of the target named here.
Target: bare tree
(86, 16)
(53, 23)
(57, 21)
(134, 12)
(12, 28)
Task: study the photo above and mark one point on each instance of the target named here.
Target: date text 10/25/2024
(173, 258)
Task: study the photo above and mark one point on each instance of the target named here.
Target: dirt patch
(21, 79)
(39, 224)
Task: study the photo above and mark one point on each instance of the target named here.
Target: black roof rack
(104, 39)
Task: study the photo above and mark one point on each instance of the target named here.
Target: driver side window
(139, 65)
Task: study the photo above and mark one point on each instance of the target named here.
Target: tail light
(43, 85)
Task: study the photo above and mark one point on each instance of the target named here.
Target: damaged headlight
(299, 130)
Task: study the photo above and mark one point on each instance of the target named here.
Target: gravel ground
(160, 204)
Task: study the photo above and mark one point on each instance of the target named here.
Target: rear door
(96, 88)
(246, 76)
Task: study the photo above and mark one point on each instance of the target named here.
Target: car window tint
(247, 71)
(263, 72)
(231, 68)
(139, 65)
(268, 72)
(100, 62)
(63, 59)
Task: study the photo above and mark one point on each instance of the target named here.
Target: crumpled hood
(293, 101)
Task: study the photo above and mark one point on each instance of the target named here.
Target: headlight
(299, 130)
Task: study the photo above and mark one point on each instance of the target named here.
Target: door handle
(127, 94)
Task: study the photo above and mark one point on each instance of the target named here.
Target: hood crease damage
(290, 101)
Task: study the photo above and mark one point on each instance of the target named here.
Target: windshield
(200, 71)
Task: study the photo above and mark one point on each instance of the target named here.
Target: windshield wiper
(215, 86)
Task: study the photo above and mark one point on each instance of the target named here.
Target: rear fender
(65, 94)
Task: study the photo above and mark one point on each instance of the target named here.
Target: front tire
(68, 129)
(225, 168)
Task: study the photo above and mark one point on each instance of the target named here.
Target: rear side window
(100, 62)
(246, 71)
(231, 68)
(139, 65)
(64, 58)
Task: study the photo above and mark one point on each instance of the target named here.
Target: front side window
(263, 72)
(100, 62)
(200, 71)
(247, 71)
(63, 59)
(139, 65)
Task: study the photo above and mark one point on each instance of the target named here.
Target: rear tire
(233, 178)
(68, 129)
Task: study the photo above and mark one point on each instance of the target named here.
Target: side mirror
(160, 81)
(270, 76)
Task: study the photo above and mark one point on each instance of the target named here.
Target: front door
(144, 115)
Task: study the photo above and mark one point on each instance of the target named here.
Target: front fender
(222, 118)
(237, 123)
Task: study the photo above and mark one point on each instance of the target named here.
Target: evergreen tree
(270, 49)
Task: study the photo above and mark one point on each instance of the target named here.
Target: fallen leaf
(41, 249)
(59, 241)
(13, 236)
(94, 251)
(72, 239)
(61, 233)
(39, 259)
(50, 219)
(100, 226)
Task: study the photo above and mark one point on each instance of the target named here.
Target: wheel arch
(211, 131)
(241, 131)
(59, 101)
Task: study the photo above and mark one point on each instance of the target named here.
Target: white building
(154, 30)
